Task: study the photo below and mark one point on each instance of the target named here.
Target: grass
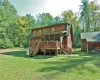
(80, 66)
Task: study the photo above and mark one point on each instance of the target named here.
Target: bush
(6, 43)
(77, 44)
(1, 43)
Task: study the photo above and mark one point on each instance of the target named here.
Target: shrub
(1, 43)
(6, 43)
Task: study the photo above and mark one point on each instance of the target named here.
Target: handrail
(50, 44)
(36, 49)
(36, 46)
(31, 48)
(33, 45)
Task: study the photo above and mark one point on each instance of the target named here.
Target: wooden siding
(91, 45)
(83, 44)
(49, 29)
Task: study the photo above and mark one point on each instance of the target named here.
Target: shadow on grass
(71, 66)
(64, 65)
(79, 63)
(23, 54)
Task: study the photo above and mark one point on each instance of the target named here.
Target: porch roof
(35, 37)
(54, 33)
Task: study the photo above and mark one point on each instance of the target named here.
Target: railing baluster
(49, 44)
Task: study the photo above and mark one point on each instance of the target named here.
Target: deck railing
(49, 44)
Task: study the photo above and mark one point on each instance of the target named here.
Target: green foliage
(6, 43)
(77, 36)
(90, 16)
(67, 16)
(44, 19)
(1, 43)
(57, 20)
(85, 15)
(13, 27)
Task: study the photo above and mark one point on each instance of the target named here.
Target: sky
(54, 7)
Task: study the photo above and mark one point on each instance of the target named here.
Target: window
(43, 30)
(57, 37)
(53, 29)
(33, 32)
(47, 38)
(39, 31)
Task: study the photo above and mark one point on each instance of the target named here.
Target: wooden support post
(44, 38)
(87, 47)
(60, 43)
(49, 37)
(54, 37)
(56, 51)
(57, 44)
(44, 52)
(60, 50)
(56, 47)
(47, 44)
(49, 52)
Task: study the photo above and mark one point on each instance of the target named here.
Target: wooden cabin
(57, 38)
(90, 41)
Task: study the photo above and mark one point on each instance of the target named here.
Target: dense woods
(14, 29)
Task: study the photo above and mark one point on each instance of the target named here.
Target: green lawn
(80, 66)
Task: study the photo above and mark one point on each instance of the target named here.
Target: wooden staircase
(34, 49)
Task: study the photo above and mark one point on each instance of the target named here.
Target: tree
(85, 15)
(67, 16)
(7, 11)
(44, 19)
(94, 15)
(57, 20)
(89, 15)
(29, 23)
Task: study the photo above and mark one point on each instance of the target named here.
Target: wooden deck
(50, 45)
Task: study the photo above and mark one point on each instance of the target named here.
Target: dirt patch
(10, 50)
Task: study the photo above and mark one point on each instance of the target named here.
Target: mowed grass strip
(16, 65)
